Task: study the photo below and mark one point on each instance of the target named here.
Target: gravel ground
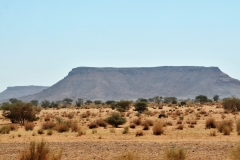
(108, 150)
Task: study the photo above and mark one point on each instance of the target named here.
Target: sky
(41, 41)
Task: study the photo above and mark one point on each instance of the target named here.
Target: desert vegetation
(155, 119)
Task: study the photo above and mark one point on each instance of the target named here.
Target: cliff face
(132, 83)
(19, 91)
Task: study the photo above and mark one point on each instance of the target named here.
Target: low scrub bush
(213, 133)
(49, 132)
(180, 127)
(100, 122)
(210, 123)
(62, 127)
(175, 154)
(115, 119)
(132, 125)
(48, 125)
(13, 127)
(139, 133)
(158, 128)
(29, 126)
(225, 127)
(231, 104)
(93, 125)
(74, 126)
(80, 132)
(40, 131)
(5, 130)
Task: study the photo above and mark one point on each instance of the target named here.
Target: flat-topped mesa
(19, 91)
(131, 83)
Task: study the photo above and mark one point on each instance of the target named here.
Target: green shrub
(140, 106)
(231, 104)
(115, 119)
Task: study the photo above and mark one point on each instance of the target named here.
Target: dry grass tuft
(48, 125)
(158, 128)
(175, 154)
(39, 151)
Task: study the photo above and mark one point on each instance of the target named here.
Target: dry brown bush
(93, 125)
(225, 127)
(213, 133)
(210, 123)
(139, 133)
(74, 126)
(132, 125)
(48, 125)
(158, 128)
(100, 122)
(238, 126)
(180, 127)
(137, 121)
(13, 127)
(29, 126)
(62, 127)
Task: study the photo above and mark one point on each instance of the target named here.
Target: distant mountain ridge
(20, 91)
(132, 83)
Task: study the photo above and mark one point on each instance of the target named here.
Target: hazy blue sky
(41, 41)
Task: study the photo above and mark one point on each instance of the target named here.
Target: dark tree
(169, 99)
(34, 102)
(45, 103)
(115, 119)
(216, 98)
(54, 104)
(140, 106)
(201, 99)
(88, 102)
(67, 100)
(142, 100)
(19, 112)
(14, 100)
(97, 102)
(122, 106)
(79, 102)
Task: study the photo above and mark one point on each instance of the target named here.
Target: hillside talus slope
(132, 83)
